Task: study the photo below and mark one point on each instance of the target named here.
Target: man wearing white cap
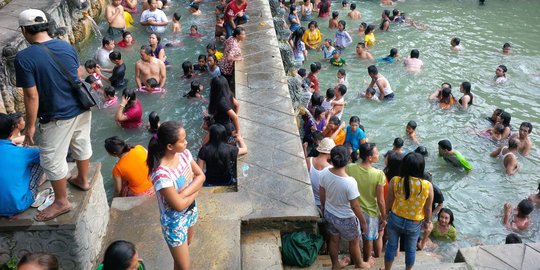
(49, 98)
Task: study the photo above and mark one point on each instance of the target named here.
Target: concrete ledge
(75, 238)
(515, 256)
(261, 250)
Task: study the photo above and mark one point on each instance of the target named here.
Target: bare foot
(79, 183)
(370, 263)
(56, 209)
(344, 262)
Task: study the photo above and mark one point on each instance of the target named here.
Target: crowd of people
(368, 207)
(399, 201)
(165, 168)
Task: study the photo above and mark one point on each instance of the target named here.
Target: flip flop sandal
(41, 197)
(47, 203)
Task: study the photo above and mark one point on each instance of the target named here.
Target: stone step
(424, 260)
(216, 244)
(261, 250)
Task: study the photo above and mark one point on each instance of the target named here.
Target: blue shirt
(354, 138)
(387, 59)
(35, 67)
(15, 161)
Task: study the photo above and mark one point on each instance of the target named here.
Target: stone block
(75, 238)
(261, 250)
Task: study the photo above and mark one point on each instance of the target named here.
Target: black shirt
(216, 174)
(118, 74)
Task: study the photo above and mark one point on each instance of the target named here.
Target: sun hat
(32, 17)
(326, 145)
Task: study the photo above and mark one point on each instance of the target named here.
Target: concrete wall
(74, 238)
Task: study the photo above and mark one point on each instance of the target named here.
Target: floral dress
(232, 48)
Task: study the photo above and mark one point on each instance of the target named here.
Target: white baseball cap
(31, 17)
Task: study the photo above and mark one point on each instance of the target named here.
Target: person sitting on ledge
(219, 157)
(20, 172)
(130, 173)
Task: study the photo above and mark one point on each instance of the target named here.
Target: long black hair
(129, 93)
(325, 6)
(116, 146)
(393, 164)
(118, 255)
(450, 213)
(219, 88)
(412, 166)
(217, 145)
(467, 88)
(167, 133)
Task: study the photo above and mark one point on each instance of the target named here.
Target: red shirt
(315, 81)
(233, 9)
(134, 115)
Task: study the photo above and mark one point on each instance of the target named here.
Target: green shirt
(450, 235)
(463, 162)
(337, 63)
(367, 181)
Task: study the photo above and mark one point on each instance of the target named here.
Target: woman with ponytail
(130, 174)
(410, 198)
(177, 181)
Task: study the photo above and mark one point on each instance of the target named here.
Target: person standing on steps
(49, 99)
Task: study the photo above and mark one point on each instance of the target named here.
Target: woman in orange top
(335, 130)
(410, 199)
(130, 173)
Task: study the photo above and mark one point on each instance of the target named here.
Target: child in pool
(194, 32)
(500, 74)
(195, 91)
(342, 77)
(495, 133)
(342, 38)
(371, 93)
(91, 80)
(522, 219)
(153, 120)
(211, 50)
(327, 49)
(220, 31)
(176, 27)
(201, 64)
(152, 85)
(109, 97)
(92, 68)
(443, 229)
(391, 58)
(194, 9)
(455, 44)
(410, 131)
(535, 198)
(177, 180)
(187, 68)
(333, 23)
(507, 48)
(369, 36)
(336, 59)
(327, 102)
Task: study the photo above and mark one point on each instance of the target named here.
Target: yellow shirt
(218, 55)
(412, 208)
(312, 38)
(128, 19)
(369, 39)
(340, 137)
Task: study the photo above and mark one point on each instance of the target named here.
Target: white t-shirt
(102, 58)
(156, 15)
(339, 191)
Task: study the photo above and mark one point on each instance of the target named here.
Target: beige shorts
(57, 137)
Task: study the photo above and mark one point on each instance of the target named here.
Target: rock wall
(75, 240)
(68, 22)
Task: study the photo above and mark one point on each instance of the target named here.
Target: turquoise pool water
(476, 198)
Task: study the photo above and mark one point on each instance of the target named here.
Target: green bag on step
(300, 248)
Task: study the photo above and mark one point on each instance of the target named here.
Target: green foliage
(10, 265)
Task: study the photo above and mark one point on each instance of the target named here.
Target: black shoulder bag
(83, 90)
